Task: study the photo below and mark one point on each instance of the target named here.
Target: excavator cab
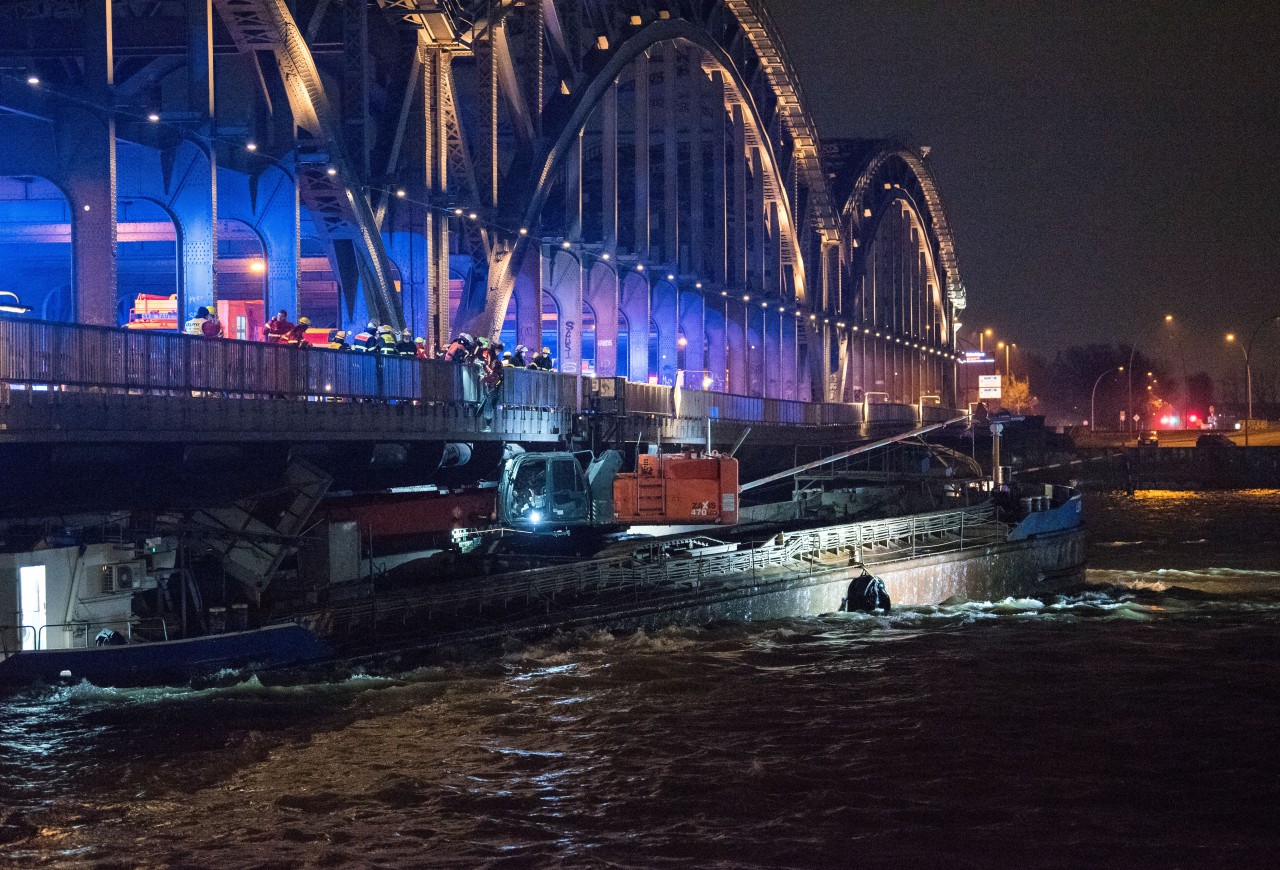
(544, 492)
(548, 492)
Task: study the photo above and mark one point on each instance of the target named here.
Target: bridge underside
(635, 185)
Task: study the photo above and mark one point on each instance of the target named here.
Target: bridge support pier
(602, 295)
(562, 278)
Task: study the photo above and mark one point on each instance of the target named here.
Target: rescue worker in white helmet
(542, 361)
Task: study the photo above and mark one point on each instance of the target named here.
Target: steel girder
(336, 199)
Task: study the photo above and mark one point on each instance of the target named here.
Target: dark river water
(1132, 724)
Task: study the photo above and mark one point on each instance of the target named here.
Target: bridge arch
(570, 115)
(904, 284)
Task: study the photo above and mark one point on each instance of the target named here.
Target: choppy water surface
(1132, 723)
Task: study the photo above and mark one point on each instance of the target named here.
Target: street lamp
(1248, 371)
(1093, 410)
(1004, 345)
(982, 336)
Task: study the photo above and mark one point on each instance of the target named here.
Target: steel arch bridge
(636, 184)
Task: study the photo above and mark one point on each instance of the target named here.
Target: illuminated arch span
(904, 170)
(533, 174)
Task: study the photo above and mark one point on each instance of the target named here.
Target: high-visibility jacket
(275, 331)
(457, 352)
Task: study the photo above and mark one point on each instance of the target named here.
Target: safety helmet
(340, 334)
(384, 330)
(507, 355)
(213, 312)
(419, 340)
(546, 350)
(520, 348)
(304, 321)
(465, 337)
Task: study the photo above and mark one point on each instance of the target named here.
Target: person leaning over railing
(543, 361)
(297, 336)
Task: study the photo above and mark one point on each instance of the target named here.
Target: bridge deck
(74, 383)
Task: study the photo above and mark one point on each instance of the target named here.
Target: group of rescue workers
(491, 356)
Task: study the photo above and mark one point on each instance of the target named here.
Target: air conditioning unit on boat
(123, 577)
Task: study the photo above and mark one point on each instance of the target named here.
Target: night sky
(1101, 164)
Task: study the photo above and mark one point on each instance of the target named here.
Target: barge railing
(685, 564)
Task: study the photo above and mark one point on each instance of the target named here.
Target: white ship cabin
(66, 597)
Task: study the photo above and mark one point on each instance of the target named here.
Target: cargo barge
(557, 543)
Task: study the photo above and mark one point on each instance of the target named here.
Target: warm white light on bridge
(33, 80)
(697, 285)
(257, 266)
(458, 212)
(17, 307)
(746, 298)
(639, 267)
(331, 171)
(251, 146)
(670, 277)
(606, 256)
(153, 118)
(472, 216)
(524, 231)
(724, 292)
(400, 192)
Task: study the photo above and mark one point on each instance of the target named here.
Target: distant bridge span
(636, 185)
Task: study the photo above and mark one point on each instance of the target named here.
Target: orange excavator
(550, 491)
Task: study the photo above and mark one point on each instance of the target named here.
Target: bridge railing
(58, 356)
(64, 355)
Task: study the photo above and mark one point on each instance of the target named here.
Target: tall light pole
(1129, 402)
(1248, 371)
(1093, 408)
(982, 336)
(1177, 344)
(1005, 345)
